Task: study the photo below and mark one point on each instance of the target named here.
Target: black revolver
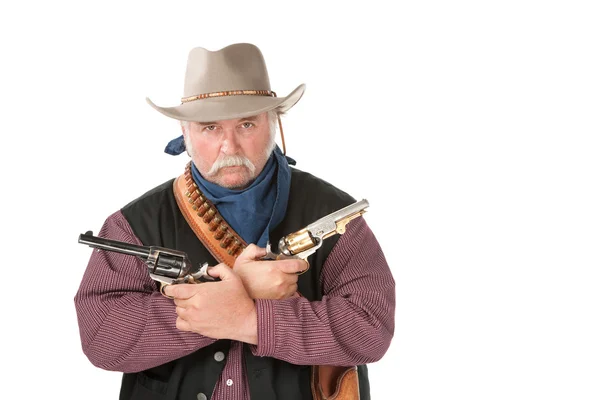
(167, 266)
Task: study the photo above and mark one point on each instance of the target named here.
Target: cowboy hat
(226, 84)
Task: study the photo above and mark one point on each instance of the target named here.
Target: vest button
(229, 382)
(219, 356)
(201, 396)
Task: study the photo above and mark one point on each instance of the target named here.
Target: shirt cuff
(266, 329)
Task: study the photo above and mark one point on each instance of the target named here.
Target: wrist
(248, 329)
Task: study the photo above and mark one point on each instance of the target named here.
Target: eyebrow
(252, 118)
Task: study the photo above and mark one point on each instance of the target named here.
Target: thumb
(221, 271)
(253, 252)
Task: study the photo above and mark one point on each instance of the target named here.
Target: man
(257, 331)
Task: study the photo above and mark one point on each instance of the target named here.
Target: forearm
(125, 323)
(333, 331)
(352, 324)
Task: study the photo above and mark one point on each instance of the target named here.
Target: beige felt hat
(225, 84)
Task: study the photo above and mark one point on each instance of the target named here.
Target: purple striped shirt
(126, 325)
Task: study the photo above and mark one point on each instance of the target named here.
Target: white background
(470, 126)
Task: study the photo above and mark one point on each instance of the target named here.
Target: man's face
(230, 153)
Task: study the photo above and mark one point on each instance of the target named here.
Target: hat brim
(229, 107)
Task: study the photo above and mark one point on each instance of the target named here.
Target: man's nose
(230, 145)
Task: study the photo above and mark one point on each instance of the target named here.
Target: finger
(305, 269)
(221, 271)
(253, 252)
(294, 266)
(183, 325)
(180, 311)
(288, 279)
(289, 292)
(182, 292)
(168, 290)
(293, 290)
(185, 303)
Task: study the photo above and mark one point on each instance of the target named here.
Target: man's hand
(220, 310)
(268, 279)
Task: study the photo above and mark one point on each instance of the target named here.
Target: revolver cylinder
(296, 242)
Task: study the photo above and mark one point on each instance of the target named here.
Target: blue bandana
(254, 211)
(176, 146)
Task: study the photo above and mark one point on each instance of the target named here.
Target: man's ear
(184, 133)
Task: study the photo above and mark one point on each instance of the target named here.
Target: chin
(238, 182)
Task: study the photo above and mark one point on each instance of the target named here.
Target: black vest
(156, 220)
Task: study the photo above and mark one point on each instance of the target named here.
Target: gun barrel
(349, 210)
(113, 245)
(327, 225)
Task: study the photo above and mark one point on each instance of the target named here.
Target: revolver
(171, 267)
(308, 240)
(167, 266)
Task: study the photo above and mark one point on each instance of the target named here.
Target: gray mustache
(231, 161)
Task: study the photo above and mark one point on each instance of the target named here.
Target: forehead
(253, 118)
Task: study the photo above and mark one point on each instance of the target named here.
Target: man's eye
(210, 127)
(247, 125)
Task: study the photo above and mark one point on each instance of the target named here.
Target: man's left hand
(220, 310)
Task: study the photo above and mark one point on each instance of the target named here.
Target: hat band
(229, 93)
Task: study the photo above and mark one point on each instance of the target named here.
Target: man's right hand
(276, 279)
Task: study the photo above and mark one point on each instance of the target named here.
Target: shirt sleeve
(353, 323)
(125, 324)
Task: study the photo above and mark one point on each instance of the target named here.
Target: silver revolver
(308, 240)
